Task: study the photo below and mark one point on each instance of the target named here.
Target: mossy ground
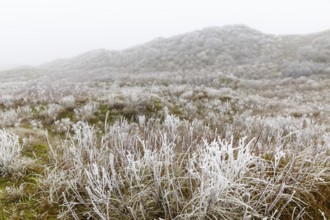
(25, 201)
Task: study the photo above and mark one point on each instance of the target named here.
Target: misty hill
(209, 48)
(234, 49)
(215, 48)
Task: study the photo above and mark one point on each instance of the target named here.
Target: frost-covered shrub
(297, 69)
(87, 111)
(11, 160)
(10, 118)
(318, 51)
(62, 125)
(52, 110)
(68, 101)
(9, 150)
(13, 117)
(36, 124)
(180, 169)
(24, 111)
(7, 99)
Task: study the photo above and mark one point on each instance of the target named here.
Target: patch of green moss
(18, 206)
(40, 151)
(27, 203)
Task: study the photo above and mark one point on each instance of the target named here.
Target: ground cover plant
(166, 146)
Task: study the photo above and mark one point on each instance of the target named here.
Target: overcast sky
(37, 31)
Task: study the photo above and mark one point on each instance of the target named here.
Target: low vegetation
(159, 147)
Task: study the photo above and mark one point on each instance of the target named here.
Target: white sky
(37, 31)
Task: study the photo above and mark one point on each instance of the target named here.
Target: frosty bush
(297, 69)
(87, 111)
(62, 125)
(68, 101)
(9, 150)
(180, 170)
(53, 109)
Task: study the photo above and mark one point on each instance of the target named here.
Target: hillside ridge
(234, 49)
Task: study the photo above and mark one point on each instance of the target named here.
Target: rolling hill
(234, 49)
